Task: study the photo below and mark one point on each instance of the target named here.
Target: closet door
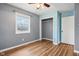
(47, 28)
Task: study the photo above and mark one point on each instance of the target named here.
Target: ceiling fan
(40, 5)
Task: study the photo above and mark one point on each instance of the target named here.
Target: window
(22, 23)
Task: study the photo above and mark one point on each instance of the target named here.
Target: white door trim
(41, 27)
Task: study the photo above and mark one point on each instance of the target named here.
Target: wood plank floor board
(46, 49)
(69, 52)
(46, 53)
(25, 47)
(42, 48)
(32, 48)
(63, 51)
(55, 50)
(59, 51)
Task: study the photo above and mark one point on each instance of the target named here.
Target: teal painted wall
(55, 24)
(59, 26)
(68, 13)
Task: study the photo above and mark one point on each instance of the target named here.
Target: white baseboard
(55, 43)
(48, 39)
(51, 40)
(76, 51)
(69, 43)
(18, 45)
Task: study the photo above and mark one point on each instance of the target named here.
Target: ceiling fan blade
(31, 3)
(47, 5)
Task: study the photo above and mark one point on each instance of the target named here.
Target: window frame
(24, 15)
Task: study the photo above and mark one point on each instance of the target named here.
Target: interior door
(47, 28)
(68, 30)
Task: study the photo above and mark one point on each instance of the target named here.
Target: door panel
(47, 29)
(68, 30)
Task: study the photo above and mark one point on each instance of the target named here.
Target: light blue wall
(59, 22)
(57, 17)
(59, 26)
(68, 13)
(55, 24)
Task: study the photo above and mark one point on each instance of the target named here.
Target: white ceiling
(53, 7)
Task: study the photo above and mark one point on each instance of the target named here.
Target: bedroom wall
(55, 16)
(8, 37)
(77, 26)
(67, 14)
(59, 15)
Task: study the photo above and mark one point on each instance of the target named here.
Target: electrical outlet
(22, 39)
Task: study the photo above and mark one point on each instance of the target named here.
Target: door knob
(62, 31)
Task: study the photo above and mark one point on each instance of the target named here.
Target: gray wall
(8, 38)
(77, 26)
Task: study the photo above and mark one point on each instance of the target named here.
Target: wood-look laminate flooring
(43, 48)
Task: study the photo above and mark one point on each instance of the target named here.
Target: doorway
(47, 28)
(68, 30)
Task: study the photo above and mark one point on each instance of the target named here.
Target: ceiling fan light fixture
(40, 5)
